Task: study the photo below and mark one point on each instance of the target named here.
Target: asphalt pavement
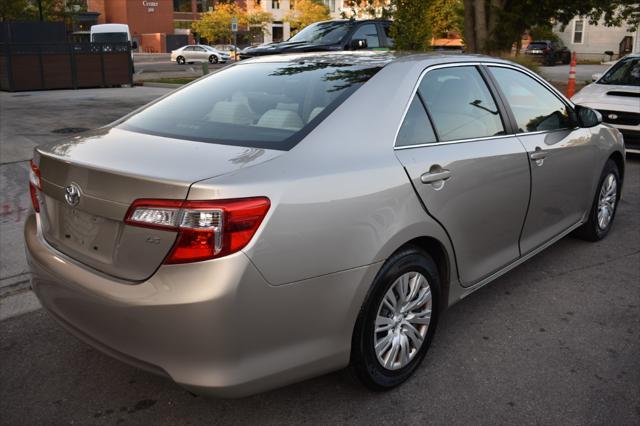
(158, 66)
(28, 119)
(555, 341)
(560, 73)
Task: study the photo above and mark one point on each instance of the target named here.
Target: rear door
(561, 154)
(472, 176)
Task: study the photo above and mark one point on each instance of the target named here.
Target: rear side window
(535, 108)
(262, 105)
(460, 104)
(416, 128)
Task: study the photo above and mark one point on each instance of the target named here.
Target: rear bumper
(215, 327)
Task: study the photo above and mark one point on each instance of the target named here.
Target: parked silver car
(290, 215)
(198, 53)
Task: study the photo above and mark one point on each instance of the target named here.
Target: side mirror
(134, 44)
(596, 76)
(588, 117)
(358, 43)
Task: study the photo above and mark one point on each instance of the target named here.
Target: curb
(164, 85)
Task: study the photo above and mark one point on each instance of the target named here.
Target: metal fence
(43, 66)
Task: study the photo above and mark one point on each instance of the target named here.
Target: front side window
(416, 128)
(535, 108)
(261, 105)
(460, 104)
(367, 32)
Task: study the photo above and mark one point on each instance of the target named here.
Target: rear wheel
(180, 60)
(213, 59)
(604, 205)
(397, 321)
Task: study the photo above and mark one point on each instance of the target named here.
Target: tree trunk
(469, 27)
(481, 26)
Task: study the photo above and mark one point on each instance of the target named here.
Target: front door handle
(435, 176)
(538, 156)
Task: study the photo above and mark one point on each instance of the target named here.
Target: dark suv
(328, 36)
(549, 52)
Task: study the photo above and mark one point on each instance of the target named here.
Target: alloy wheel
(403, 320)
(607, 200)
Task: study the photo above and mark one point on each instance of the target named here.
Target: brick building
(157, 25)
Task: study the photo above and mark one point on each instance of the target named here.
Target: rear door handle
(435, 176)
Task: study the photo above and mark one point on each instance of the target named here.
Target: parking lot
(555, 341)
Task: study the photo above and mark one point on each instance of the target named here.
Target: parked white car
(198, 53)
(616, 95)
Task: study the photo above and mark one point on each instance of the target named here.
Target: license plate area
(79, 233)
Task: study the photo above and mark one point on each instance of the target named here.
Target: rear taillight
(35, 185)
(206, 229)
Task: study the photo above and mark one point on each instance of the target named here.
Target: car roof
(369, 57)
(353, 21)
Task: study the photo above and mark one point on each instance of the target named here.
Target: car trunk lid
(110, 168)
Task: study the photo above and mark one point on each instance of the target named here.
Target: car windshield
(109, 37)
(322, 33)
(626, 72)
(537, 45)
(262, 105)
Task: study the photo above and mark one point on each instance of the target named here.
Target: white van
(112, 33)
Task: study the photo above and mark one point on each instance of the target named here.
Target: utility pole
(40, 10)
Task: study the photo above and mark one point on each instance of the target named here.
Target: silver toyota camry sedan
(291, 215)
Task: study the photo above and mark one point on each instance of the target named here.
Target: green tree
(494, 25)
(411, 28)
(353, 9)
(446, 16)
(14, 10)
(216, 25)
(306, 12)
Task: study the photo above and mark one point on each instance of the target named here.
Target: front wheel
(604, 205)
(397, 321)
(180, 60)
(213, 59)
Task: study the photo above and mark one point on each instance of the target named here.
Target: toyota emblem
(72, 194)
(613, 116)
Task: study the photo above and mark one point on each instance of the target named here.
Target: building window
(182, 5)
(275, 4)
(202, 5)
(578, 31)
(331, 4)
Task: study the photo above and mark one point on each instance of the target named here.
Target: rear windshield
(262, 105)
(537, 45)
(109, 37)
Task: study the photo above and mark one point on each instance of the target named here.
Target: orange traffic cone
(571, 88)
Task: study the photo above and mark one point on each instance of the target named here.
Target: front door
(471, 175)
(561, 155)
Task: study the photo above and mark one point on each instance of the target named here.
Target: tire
(180, 60)
(593, 229)
(366, 362)
(213, 59)
(566, 60)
